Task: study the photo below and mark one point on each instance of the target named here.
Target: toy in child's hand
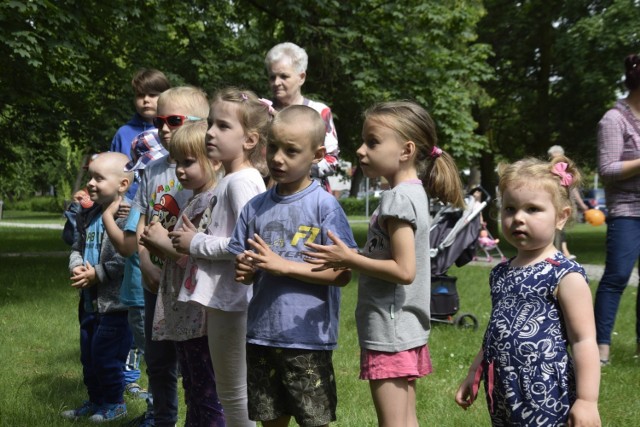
(487, 242)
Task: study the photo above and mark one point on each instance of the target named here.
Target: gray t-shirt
(392, 317)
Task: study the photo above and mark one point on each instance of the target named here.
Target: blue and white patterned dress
(527, 369)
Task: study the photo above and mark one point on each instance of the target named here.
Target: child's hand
(334, 256)
(465, 395)
(584, 414)
(112, 209)
(152, 236)
(245, 270)
(123, 209)
(265, 258)
(83, 276)
(181, 238)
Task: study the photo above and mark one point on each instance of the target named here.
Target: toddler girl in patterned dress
(541, 306)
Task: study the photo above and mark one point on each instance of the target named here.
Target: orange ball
(594, 217)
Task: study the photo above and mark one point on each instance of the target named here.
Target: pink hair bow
(560, 169)
(269, 104)
(436, 152)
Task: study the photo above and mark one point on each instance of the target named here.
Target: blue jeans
(136, 324)
(162, 369)
(623, 250)
(105, 341)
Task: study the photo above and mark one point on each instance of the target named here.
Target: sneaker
(135, 390)
(87, 409)
(109, 412)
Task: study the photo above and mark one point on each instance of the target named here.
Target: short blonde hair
(192, 99)
(540, 174)
(188, 140)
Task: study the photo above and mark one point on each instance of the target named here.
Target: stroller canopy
(453, 235)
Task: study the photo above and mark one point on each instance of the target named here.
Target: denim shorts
(379, 365)
(291, 382)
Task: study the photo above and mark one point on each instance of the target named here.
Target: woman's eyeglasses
(173, 121)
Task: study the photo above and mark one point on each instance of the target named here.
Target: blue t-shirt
(286, 312)
(93, 244)
(123, 138)
(131, 293)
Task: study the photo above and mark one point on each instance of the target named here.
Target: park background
(503, 79)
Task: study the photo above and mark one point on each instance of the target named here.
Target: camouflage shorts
(291, 382)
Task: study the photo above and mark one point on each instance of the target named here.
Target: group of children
(242, 283)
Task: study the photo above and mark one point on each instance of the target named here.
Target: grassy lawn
(33, 217)
(41, 372)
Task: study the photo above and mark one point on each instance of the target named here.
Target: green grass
(32, 217)
(41, 374)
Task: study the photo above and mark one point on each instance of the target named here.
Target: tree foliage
(559, 67)
(64, 82)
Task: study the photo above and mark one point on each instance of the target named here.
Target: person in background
(147, 85)
(619, 167)
(286, 65)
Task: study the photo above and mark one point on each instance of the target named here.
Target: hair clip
(435, 152)
(244, 96)
(269, 104)
(560, 169)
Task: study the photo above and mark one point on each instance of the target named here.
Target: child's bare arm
(577, 309)
(263, 257)
(466, 395)
(124, 242)
(400, 268)
(150, 272)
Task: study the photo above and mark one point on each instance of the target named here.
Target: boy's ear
(252, 140)
(563, 217)
(124, 185)
(408, 151)
(319, 154)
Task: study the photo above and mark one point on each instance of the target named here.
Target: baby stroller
(453, 238)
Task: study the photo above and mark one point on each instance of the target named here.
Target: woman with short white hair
(286, 65)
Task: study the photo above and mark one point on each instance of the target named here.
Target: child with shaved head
(96, 271)
(292, 326)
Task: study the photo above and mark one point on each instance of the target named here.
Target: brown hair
(254, 116)
(149, 80)
(540, 173)
(632, 72)
(411, 122)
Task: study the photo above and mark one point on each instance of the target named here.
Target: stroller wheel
(467, 321)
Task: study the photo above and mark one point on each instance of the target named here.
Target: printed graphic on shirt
(202, 224)
(286, 240)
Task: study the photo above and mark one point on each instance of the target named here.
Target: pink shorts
(379, 365)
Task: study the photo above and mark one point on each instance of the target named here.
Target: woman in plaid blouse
(619, 167)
